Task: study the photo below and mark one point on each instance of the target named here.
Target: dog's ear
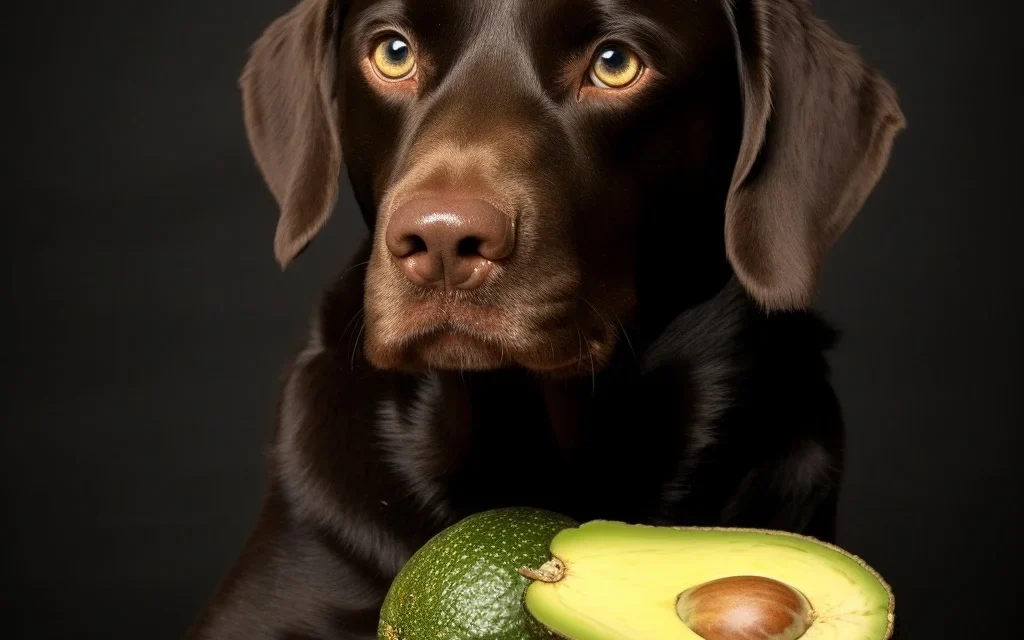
(819, 126)
(291, 118)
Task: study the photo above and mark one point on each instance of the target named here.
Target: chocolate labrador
(596, 230)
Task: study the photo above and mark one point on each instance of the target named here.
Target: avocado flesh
(622, 582)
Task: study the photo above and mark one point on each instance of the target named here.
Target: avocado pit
(747, 607)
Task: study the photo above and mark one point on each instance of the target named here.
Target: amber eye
(394, 59)
(615, 67)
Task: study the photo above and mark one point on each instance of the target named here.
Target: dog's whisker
(350, 322)
(355, 345)
(625, 334)
(593, 374)
(579, 335)
(355, 266)
(599, 314)
(609, 324)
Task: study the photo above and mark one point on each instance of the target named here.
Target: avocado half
(525, 574)
(615, 581)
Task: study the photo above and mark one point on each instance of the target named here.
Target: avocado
(527, 574)
(610, 580)
(465, 584)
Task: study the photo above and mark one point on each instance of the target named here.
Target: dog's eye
(394, 59)
(615, 67)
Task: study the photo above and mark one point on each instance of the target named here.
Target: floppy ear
(819, 126)
(291, 118)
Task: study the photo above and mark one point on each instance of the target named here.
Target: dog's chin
(453, 349)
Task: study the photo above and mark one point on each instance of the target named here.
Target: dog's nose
(450, 243)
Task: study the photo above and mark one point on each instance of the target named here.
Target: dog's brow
(381, 14)
(620, 21)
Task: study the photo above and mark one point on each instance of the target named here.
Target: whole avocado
(465, 581)
(526, 574)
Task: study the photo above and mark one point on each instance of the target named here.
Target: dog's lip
(448, 331)
(488, 324)
(429, 328)
(455, 335)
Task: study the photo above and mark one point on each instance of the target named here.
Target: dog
(596, 231)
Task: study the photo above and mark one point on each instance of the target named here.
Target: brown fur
(650, 337)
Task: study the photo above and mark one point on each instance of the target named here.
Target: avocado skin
(464, 583)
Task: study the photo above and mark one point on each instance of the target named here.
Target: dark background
(148, 322)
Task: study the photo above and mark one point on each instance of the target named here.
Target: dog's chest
(460, 448)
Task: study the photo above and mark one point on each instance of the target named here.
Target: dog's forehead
(523, 17)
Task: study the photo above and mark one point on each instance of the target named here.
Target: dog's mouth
(464, 338)
(452, 346)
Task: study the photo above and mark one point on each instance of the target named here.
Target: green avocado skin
(464, 583)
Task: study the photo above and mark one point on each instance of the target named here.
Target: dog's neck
(621, 442)
(654, 400)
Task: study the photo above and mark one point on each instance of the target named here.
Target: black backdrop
(148, 322)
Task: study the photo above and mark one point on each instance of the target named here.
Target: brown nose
(451, 243)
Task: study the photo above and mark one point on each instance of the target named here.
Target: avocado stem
(551, 571)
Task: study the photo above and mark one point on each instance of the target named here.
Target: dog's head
(538, 174)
